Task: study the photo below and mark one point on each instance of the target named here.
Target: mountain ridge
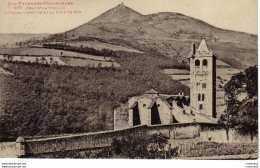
(168, 33)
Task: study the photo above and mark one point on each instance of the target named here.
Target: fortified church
(153, 108)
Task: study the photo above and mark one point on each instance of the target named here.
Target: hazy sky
(239, 15)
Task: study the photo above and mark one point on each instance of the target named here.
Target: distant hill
(17, 37)
(169, 33)
(166, 33)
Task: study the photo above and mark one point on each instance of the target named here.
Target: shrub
(154, 146)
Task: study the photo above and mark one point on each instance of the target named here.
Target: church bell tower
(203, 79)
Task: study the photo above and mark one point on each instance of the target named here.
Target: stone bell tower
(203, 79)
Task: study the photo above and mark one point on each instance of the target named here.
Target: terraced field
(48, 52)
(100, 45)
(69, 58)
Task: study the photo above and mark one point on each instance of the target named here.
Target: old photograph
(129, 79)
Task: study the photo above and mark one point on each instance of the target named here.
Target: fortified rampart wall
(178, 134)
(105, 138)
(220, 136)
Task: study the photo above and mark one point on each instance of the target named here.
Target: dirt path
(2, 71)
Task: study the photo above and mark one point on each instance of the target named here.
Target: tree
(242, 102)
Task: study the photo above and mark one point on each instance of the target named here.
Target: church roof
(203, 46)
(151, 104)
(133, 105)
(154, 101)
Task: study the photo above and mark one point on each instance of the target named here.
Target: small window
(204, 85)
(158, 105)
(197, 63)
(201, 107)
(205, 62)
(198, 86)
(144, 105)
(199, 97)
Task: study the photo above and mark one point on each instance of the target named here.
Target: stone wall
(80, 142)
(177, 131)
(220, 136)
(181, 136)
(104, 139)
(8, 150)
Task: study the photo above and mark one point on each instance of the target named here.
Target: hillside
(17, 37)
(170, 34)
(43, 99)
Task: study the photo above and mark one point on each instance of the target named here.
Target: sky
(238, 15)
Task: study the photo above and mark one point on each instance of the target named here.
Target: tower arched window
(199, 97)
(205, 62)
(201, 107)
(203, 97)
(197, 62)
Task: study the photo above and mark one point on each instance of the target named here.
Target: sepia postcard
(128, 79)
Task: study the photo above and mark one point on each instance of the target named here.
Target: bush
(151, 147)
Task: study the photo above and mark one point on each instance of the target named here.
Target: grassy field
(17, 37)
(49, 52)
(100, 45)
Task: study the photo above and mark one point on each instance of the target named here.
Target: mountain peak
(122, 4)
(120, 13)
